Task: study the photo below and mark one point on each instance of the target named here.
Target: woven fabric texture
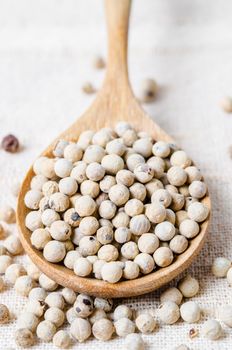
(46, 49)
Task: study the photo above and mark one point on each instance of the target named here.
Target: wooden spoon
(113, 103)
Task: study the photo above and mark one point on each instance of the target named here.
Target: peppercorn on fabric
(46, 54)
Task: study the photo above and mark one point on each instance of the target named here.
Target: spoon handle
(117, 16)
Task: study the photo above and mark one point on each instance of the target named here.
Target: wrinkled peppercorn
(10, 143)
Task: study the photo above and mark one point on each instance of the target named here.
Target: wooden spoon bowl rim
(66, 277)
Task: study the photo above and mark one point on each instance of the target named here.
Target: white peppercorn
(163, 256)
(85, 206)
(62, 339)
(171, 294)
(129, 137)
(68, 186)
(193, 173)
(212, 329)
(177, 176)
(47, 283)
(54, 251)
(107, 209)
(198, 211)
(121, 127)
(69, 295)
(97, 314)
(188, 286)
(139, 224)
(145, 323)
(122, 311)
(165, 231)
(49, 188)
(55, 315)
(143, 146)
(85, 139)
(116, 146)
(55, 299)
(23, 285)
(158, 166)
(124, 326)
(44, 166)
(161, 149)
(145, 263)
(60, 230)
(119, 194)
(35, 307)
(59, 202)
(103, 329)
(197, 189)
(125, 177)
(190, 312)
(111, 272)
(122, 235)
(153, 186)
(180, 158)
(80, 329)
(103, 136)
(70, 258)
(131, 270)
(106, 183)
(73, 152)
(134, 341)
(37, 294)
(32, 199)
(148, 243)
(143, 173)
(63, 167)
(103, 304)
(82, 267)
(28, 320)
(189, 228)
(45, 330)
(138, 191)
(221, 266)
(133, 207)
(178, 244)
(134, 160)
(7, 214)
(5, 262)
(169, 312)
(4, 314)
(33, 271)
(24, 338)
(178, 201)
(108, 253)
(14, 271)
(121, 219)
(58, 150)
(155, 212)
(89, 225)
(49, 216)
(129, 250)
(13, 245)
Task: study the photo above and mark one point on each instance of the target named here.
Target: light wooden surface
(117, 101)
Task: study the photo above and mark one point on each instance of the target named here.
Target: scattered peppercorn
(10, 143)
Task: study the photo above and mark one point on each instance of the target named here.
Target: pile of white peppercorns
(115, 204)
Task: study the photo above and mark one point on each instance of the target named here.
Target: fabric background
(46, 48)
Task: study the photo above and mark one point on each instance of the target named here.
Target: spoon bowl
(114, 102)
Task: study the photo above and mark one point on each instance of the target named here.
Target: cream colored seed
(90, 188)
(188, 286)
(177, 176)
(49, 188)
(145, 323)
(49, 216)
(14, 271)
(70, 258)
(129, 137)
(121, 219)
(212, 329)
(197, 189)
(169, 312)
(122, 311)
(165, 231)
(95, 171)
(103, 136)
(107, 182)
(103, 329)
(198, 211)
(158, 166)
(107, 209)
(82, 267)
(103, 304)
(122, 235)
(79, 172)
(139, 224)
(124, 326)
(89, 225)
(119, 194)
(13, 245)
(32, 199)
(145, 263)
(45, 331)
(116, 146)
(54, 251)
(180, 158)
(88, 245)
(58, 150)
(221, 266)
(23, 285)
(108, 253)
(163, 256)
(47, 283)
(62, 340)
(7, 214)
(143, 146)
(55, 315)
(189, 228)
(193, 173)
(143, 173)
(134, 341)
(28, 320)
(138, 191)
(37, 294)
(129, 250)
(94, 153)
(105, 235)
(171, 294)
(55, 299)
(190, 312)
(85, 139)
(63, 167)
(69, 295)
(5, 262)
(59, 202)
(97, 314)
(112, 163)
(131, 270)
(111, 272)
(24, 338)
(225, 315)
(60, 230)
(85, 205)
(161, 149)
(134, 160)
(148, 243)
(33, 271)
(44, 166)
(73, 152)
(80, 329)
(122, 127)
(178, 244)
(161, 196)
(152, 186)
(68, 186)
(134, 207)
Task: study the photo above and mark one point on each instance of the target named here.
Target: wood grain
(113, 103)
